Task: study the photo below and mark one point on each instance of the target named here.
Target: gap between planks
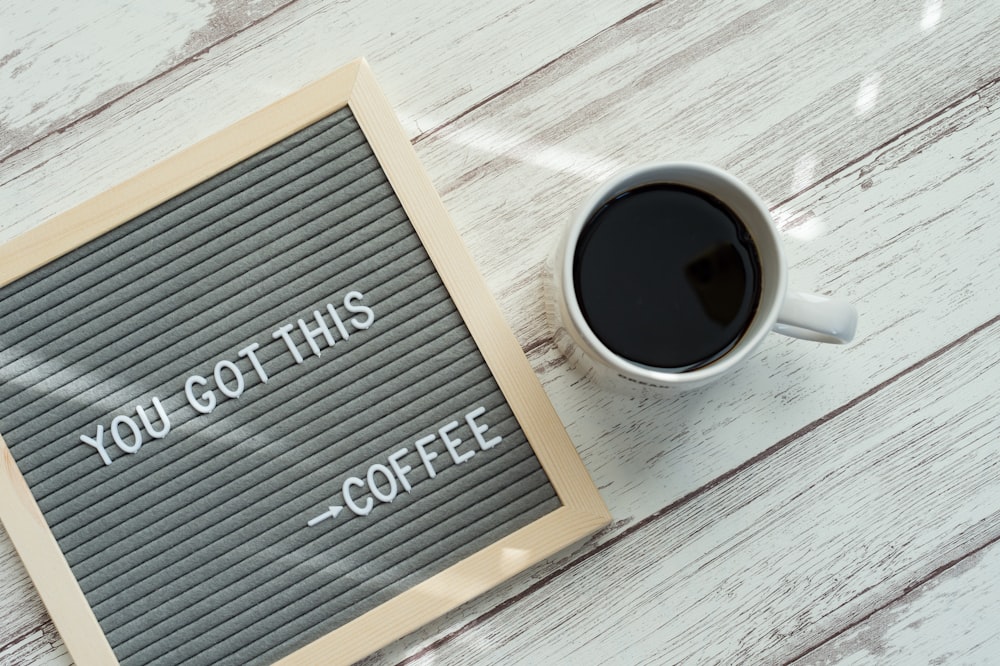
(722, 478)
(885, 144)
(535, 72)
(143, 84)
(191, 58)
(670, 508)
(546, 341)
(906, 591)
(661, 513)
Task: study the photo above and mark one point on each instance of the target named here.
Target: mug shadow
(611, 429)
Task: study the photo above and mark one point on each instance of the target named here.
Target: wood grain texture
(48, 86)
(870, 129)
(948, 619)
(961, 146)
(790, 549)
(647, 454)
(675, 84)
(681, 442)
(471, 52)
(28, 635)
(25, 525)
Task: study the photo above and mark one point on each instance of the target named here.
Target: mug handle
(817, 318)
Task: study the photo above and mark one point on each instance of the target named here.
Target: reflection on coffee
(667, 276)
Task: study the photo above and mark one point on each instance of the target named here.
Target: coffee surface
(667, 276)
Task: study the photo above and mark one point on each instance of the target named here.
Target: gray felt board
(195, 549)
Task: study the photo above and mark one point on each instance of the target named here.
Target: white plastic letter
(376, 491)
(351, 504)
(98, 444)
(237, 373)
(400, 470)
(162, 413)
(208, 396)
(283, 334)
(452, 444)
(479, 429)
(337, 321)
(349, 299)
(312, 334)
(248, 352)
(119, 440)
(427, 456)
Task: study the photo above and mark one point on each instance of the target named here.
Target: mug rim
(761, 323)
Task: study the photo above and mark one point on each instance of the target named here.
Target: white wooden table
(821, 505)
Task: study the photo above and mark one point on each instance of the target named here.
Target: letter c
(351, 504)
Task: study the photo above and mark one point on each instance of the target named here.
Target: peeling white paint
(65, 63)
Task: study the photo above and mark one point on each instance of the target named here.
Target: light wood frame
(582, 512)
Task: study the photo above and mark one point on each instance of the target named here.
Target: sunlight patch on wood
(867, 94)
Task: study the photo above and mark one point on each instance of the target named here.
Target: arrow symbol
(332, 513)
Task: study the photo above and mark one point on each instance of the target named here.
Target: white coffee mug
(805, 316)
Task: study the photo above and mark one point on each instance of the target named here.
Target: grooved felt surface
(195, 548)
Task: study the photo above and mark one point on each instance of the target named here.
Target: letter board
(257, 405)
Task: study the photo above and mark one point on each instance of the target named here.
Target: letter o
(229, 393)
(136, 433)
(376, 491)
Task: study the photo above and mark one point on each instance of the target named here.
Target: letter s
(349, 299)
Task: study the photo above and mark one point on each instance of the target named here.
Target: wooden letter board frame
(582, 511)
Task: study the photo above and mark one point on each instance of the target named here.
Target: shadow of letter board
(257, 405)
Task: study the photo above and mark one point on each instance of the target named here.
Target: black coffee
(667, 276)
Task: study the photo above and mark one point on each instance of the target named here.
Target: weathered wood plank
(937, 244)
(790, 549)
(42, 647)
(64, 66)
(951, 618)
(435, 60)
(566, 126)
(27, 636)
(874, 245)
(677, 83)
